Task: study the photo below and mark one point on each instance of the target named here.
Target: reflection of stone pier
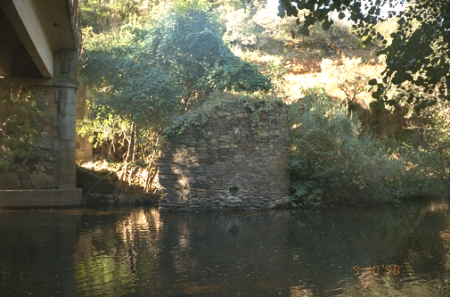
(38, 56)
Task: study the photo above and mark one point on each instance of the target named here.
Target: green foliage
(189, 46)
(102, 15)
(163, 68)
(277, 72)
(105, 122)
(198, 116)
(417, 52)
(153, 68)
(258, 103)
(332, 161)
(20, 115)
(239, 27)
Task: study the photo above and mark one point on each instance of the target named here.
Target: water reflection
(383, 251)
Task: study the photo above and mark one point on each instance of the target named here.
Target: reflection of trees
(305, 253)
(113, 258)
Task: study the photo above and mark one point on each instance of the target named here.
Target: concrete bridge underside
(38, 54)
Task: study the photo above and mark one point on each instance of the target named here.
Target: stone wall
(224, 165)
(53, 165)
(37, 172)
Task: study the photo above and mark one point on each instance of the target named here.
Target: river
(346, 251)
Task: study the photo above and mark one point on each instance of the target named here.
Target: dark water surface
(400, 251)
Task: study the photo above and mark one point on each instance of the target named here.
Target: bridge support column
(48, 178)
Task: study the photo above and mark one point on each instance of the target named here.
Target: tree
(147, 72)
(417, 59)
(163, 68)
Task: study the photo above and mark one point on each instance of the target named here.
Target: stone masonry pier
(38, 56)
(225, 164)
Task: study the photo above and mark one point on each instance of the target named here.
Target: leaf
(376, 105)
(392, 103)
(304, 31)
(373, 82)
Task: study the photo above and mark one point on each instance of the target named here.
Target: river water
(346, 251)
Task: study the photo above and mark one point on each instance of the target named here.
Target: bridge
(38, 56)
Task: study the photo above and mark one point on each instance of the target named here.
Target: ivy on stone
(258, 103)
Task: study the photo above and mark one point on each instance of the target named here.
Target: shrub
(332, 161)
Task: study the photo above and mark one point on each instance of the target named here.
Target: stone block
(10, 180)
(54, 159)
(202, 155)
(67, 145)
(56, 145)
(26, 184)
(66, 169)
(52, 107)
(42, 180)
(200, 185)
(68, 108)
(21, 168)
(24, 175)
(39, 167)
(46, 143)
(67, 156)
(34, 198)
(169, 176)
(65, 122)
(67, 182)
(43, 154)
(202, 178)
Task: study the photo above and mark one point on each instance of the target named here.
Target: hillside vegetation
(344, 147)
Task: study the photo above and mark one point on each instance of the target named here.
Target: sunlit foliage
(332, 161)
(149, 71)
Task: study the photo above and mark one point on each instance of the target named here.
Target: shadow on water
(377, 251)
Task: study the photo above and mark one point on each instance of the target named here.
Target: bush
(19, 116)
(332, 161)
